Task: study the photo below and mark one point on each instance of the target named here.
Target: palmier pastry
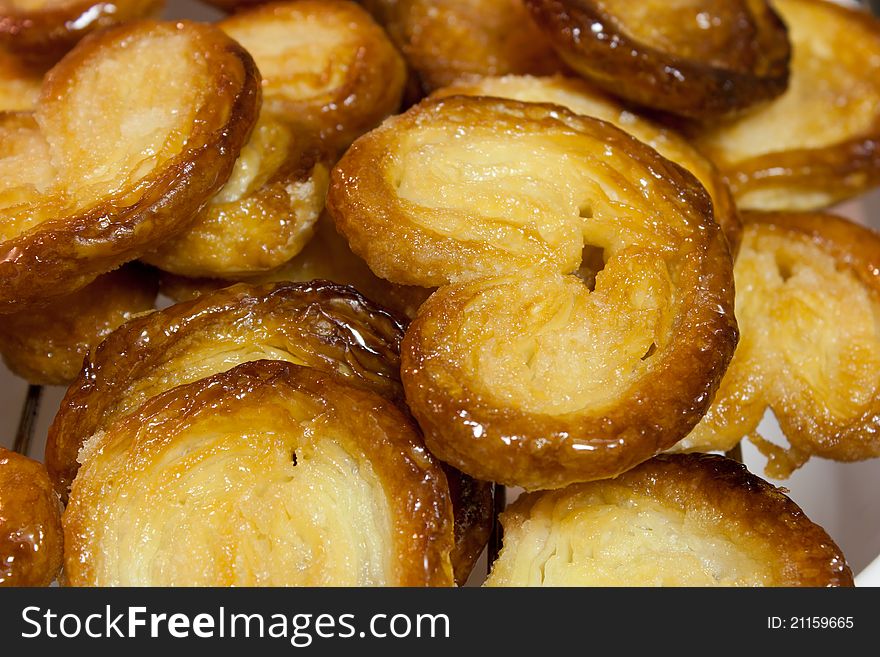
(581, 98)
(46, 345)
(265, 213)
(42, 31)
(518, 371)
(76, 201)
(699, 58)
(818, 143)
(326, 65)
(450, 40)
(683, 520)
(320, 325)
(30, 523)
(19, 84)
(269, 474)
(808, 304)
(327, 257)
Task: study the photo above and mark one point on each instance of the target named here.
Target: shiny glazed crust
(268, 474)
(818, 143)
(697, 58)
(451, 40)
(581, 98)
(19, 84)
(501, 198)
(326, 65)
(74, 208)
(676, 520)
(327, 257)
(46, 345)
(263, 216)
(808, 304)
(43, 34)
(30, 523)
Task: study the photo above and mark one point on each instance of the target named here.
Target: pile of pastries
(322, 274)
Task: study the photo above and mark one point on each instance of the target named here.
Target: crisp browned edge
(660, 80)
(856, 249)
(43, 36)
(807, 554)
(537, 448)
(413, 480)
(31, 500)
(60, 256)
(139, 344)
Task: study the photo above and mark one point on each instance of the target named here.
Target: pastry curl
(46, 345)
(263, 216)
(326, 65)
(75, 201)
(327, 257)
(451, 40)
(501, 199)
(269, 474)
(808, 305)
(817, 144)
(30, 523)
(684, 520)
(695, 58)
(581, 98)
(42, 31)
(19, 84)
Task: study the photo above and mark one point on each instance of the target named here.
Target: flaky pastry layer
(19, 84)
(30, 523)
(696, 58)
(326, 65)
(808, 306)
(451, 40)
(47, 344)
(269, 474)
(684, 520)
(109, 167)
(519, 371)
(581, 98)
(817, 144)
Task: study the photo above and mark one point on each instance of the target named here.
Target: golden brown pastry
(46, 345)
(451, 40)
(320, 325)
(263, 216)
(109, 167)
(326, 65)
(696, 58)
(269, 474)
(818, 143)
(42, 31)
(30, 523)
(325, 257)
(808, 305)
(517, 370)
(19, 84)
(684, 520)
(581, 98)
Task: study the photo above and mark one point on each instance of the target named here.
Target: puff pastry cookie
(581, 98)
(269, 474)
(46, 345)
(817, 144)
(496, 200)
(685, 520)
(77, 202)
(30, 523)
(808, 305)
(696, 58)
